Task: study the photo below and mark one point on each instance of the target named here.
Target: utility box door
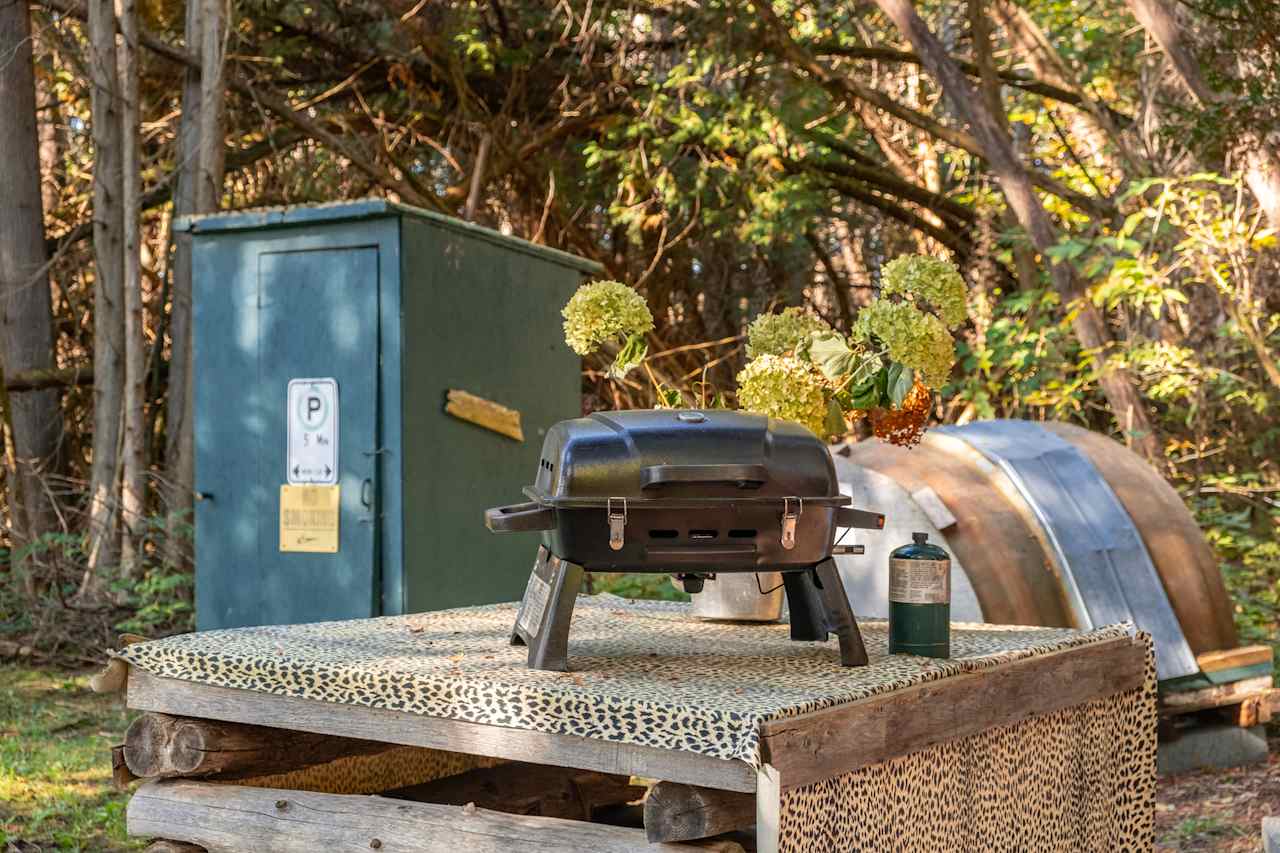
(318, 319)
(312, 315)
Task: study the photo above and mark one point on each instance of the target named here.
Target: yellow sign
(309, 519)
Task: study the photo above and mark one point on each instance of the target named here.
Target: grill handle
(847, 516)
(742, 476)
(520, 518)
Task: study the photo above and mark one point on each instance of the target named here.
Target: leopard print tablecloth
(644, 673)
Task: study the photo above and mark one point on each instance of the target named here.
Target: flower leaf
(630, 356)
(835, 424)
(865, 396)
(831, 353)
(900, 379)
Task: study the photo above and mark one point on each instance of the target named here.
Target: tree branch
(280, 108)
(846, 88)
(1011, 78)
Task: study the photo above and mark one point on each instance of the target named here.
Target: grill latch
(617, 522)
(789, 517)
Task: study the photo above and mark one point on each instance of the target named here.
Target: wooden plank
(1253, 711)
(147, 692)
(1186, 701)
(484, 413)
(824, 743)
(1234, 658)
(166, 846)
(164, 746)
(768, 810)
(675, 812)
(533, 789)
(234, 819)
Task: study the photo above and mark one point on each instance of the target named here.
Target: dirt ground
(1218, 810)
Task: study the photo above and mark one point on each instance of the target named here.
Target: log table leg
(675, 812)
(163, 746)
(231, 819)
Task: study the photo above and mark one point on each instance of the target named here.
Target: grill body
(688, 492)
(683, 491)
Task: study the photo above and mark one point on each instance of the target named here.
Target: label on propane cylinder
(920, 581)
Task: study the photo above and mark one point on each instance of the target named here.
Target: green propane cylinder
(920, 599)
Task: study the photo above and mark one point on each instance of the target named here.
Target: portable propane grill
(692, 493)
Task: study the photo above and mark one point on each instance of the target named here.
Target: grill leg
(819, 606)
(808, 613)
(840, 615)
(547, 610)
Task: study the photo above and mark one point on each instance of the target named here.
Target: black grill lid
(683, 457)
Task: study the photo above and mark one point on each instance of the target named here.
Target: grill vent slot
(742, 533)
(663, 534)
(703, 535)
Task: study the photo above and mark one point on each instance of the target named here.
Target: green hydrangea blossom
(602, 311)
(784, 387)
(932, 280)
(915, 338)
(782, 334)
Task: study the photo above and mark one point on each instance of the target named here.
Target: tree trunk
(108, 319)
(133, 459)
(1117, 384)
(1161, 22)
(1257, 157)
(199, 190)
(26, 318)
(1088, 121)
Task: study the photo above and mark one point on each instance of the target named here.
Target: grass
(55, 764)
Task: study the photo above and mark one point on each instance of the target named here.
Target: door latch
(617, 522)
(789, 518)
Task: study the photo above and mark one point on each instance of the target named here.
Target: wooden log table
(275, 738)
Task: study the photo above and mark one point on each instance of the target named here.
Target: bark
(839, 287)
(1160, 21)
(997, 150)
(1258, 158)
(477, 177)
(199, 190)
(108, 319)
(1262, 174)
(133, 457)
(851, 91)
(26, 318)
(1090, 121)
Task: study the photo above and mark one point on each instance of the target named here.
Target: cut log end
(160, 746)
(675, 812)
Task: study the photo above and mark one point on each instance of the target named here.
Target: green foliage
(784, 333)
(915, 338)
(608, 311)
(931, 284)
(1246, 539)
(653, 587)
(785, 387)
(55, 778)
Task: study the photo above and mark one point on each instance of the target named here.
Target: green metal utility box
(327, 341)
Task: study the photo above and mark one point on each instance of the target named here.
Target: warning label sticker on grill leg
(534, 605)
(309, 519)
